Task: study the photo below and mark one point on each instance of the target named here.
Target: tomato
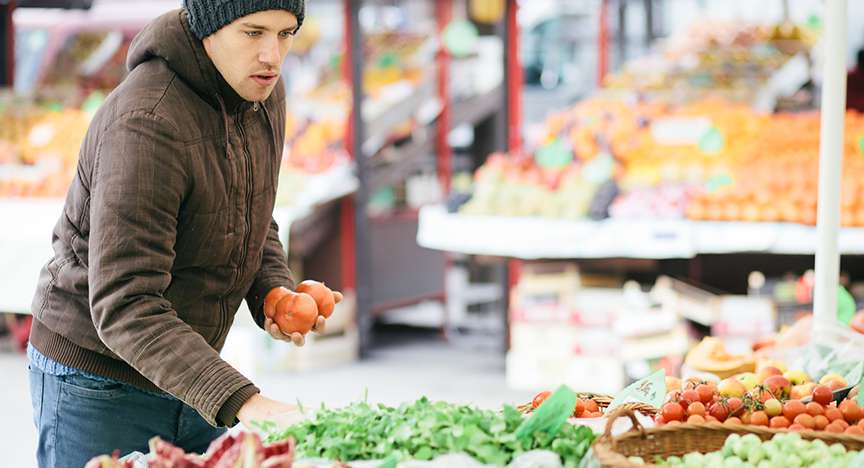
(690, 396)
(833, 414)
(733, 420)
(834, 428)
(855, 430)
(815, 409)
(706, 393)
(736, 406)
(696, 419)
(822, 395)
(719, 411)
(591, 406)
(851, 411)
(793, 408)
(779, 422)
(696, 409)
(805, 420)
(539, 399)
(580, 408)
(820, 422)
(759, 418)
(672, 412)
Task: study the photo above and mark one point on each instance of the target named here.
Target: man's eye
(287, 34)
(253, 33)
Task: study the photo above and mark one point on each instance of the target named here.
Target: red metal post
(514, 92)
(603, 43)
(443, 15)
(347, 244)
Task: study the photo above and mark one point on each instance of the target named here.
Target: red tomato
(822, 395)
(672, 412)
(539, 399)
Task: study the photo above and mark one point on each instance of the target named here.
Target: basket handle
(626, 410)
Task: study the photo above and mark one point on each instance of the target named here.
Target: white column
(830, 161)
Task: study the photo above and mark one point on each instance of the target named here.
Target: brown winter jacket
(166, 228)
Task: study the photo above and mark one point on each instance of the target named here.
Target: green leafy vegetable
(423, 430)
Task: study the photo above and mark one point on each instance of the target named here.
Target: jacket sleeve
(274, 272)
(137, 189)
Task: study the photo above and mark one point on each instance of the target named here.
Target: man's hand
(262, 409)
(270, 307)
(297, 338)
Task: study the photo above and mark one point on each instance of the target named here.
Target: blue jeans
(78, 417)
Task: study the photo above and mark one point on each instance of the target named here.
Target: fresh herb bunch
(423, 430)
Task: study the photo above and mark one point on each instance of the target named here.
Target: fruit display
(711, 356)
(39, 150)
(588, 405)
(770, 398)
(716, 57)
(741, 166)
(238, 450)
(783, 450)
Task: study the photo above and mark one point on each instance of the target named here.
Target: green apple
(731, 388)
(797, 377)
(748, 379)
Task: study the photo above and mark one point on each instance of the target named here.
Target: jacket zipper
(244, 252)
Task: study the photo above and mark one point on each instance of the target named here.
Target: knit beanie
(208, 16)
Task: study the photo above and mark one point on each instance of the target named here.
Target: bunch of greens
(423, 430)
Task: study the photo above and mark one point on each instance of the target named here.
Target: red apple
(802, 391)
(779, 386)
(766, 372)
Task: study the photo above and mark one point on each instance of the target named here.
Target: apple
(766, 372)
(802, 390)
(776, 363)
(833, 377)
(797, 377)
(779, 386)
(731, 388)
(748, 379)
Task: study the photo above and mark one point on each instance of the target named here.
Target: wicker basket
(603, 401)
(680, 439)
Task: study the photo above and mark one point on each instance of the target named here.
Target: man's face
(249, 52)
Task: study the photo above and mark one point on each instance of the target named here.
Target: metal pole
(362, 251)
(830, 162)
(649, 22)
(603, 42)
(622, 32)
(513, 78)
(7, 45)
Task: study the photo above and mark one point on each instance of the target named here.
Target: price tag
(651, 390)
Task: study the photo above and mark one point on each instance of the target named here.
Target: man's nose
(269, 53)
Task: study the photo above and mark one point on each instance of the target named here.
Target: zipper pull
(255, 106)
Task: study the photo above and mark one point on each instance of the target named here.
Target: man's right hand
(262, 409)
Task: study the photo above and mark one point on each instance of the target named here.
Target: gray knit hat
(208, 16)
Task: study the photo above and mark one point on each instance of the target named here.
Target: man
(166, 228)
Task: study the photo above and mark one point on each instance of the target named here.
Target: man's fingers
(337, 296)
(320, 324)
(298, 339)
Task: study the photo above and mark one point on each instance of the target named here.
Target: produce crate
(680, 439)
(545, 293)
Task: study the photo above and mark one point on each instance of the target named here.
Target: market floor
(406, 364)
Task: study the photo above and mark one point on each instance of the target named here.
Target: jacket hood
(170, 38)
